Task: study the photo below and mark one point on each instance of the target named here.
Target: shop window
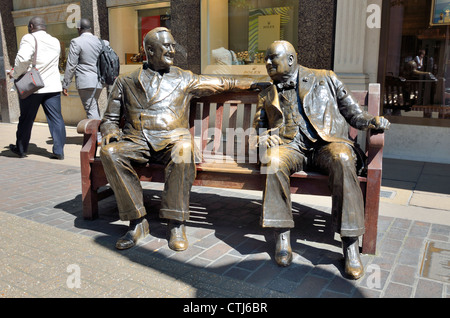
(236, 33)
(128, 26)
(416, 79)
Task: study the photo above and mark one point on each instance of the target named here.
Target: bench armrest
(374, 149)
(89, 128)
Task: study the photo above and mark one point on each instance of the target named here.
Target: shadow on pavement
(227, 244)
(33, 149)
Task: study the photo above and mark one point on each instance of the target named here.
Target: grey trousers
(336, 159)
(89, 99)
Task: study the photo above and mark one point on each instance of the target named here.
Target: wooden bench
(224, 166)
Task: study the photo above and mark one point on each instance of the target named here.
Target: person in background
(47, 60)
(419, 59)
(82, 62)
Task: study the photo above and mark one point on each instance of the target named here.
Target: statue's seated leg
(281, 162)
(339, 161)
(117, 159)
(179, 175)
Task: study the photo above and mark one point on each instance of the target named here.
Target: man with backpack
(82, 62)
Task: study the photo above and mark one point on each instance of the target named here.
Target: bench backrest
(221, 123)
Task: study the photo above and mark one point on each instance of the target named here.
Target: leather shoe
(178, 240)
(14, 149)
(354, 268)
(136, 231)
(283, 250)
(58, 157)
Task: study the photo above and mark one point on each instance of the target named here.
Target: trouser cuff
(289, 224)
(352, 232)
(174, 215)
(132, 214)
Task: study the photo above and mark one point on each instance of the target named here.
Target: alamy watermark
(74, 11)
(373, 20)
(74, 279)
(373, 279)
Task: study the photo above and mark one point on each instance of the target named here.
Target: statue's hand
(260, 86)
(271, 141)
(379, 123)
(111, 137)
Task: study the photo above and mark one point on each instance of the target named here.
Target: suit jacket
(82, 61)
(157, 107)
(47, 59)
(327, 103)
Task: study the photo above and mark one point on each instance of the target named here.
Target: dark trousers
(118, 159)
(336, 159)
(51, 103)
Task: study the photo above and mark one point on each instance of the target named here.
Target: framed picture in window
(440, 12)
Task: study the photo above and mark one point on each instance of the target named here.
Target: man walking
(47, 60)
(82, 62)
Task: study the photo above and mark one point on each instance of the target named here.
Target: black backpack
(108, 65)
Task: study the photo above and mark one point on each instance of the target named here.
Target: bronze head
(159, 46)
(281, 61)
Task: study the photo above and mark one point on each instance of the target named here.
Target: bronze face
(161, 51)
(280, 61)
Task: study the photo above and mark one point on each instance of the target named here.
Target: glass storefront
(417, 69)
(128, 25)
(236, 33)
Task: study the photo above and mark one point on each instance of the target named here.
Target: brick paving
(229, 254)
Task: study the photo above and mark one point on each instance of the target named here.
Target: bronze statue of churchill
(154, 101)
(303, 120)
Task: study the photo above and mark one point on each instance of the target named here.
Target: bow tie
(286, 85)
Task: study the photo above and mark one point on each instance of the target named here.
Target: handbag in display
(31, 81)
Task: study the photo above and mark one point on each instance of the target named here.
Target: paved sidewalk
(48, 248)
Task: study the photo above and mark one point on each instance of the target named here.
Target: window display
(416, 80)
(236, 33)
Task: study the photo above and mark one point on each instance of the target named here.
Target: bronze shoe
(178, 240)
(354, 268)
(135, 233)
(283, 250)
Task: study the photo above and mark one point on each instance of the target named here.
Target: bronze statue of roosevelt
(303, 119)
(154, 101)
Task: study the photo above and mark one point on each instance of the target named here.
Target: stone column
(9, 103)
(350, 42)
(316, 33)
(185, 25)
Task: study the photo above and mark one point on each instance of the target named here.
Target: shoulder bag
(31, 81)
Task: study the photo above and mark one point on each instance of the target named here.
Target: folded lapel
(169, 82)
(306, 80)
(273, 99)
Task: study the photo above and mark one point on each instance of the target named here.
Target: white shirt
(47, 59)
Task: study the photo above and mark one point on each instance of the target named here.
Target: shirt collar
(291, 83)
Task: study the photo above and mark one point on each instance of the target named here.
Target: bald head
(36, 24)
(281, 61)
(154, 34)
(159, 46)
(84, 25)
